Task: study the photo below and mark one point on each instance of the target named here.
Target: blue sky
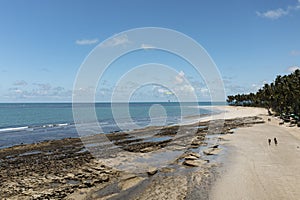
(43, 43)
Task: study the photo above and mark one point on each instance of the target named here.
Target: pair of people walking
(275, 141)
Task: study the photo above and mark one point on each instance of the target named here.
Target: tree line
(281, 97)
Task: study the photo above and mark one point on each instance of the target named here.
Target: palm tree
(281, 96)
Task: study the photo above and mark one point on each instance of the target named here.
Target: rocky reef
(176, 162)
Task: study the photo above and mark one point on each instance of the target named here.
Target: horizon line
(120, 102)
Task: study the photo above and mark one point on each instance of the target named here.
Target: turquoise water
(34, 122)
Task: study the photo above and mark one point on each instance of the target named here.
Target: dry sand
(255, 170)
(230, 112)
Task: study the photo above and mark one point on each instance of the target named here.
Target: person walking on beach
(269, 140)
(275, 141)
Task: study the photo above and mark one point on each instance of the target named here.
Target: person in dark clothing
(275, 141)
(269, 140)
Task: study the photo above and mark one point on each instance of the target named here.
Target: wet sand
(255, 170)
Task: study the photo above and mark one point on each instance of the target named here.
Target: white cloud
(179, 78)
(204, 90)
(39, 91)
(20, 83)
(185, 89)
(16, 90)
(159, 91)
(256, 86)
(231, 87)
(294, 52)
(292, 68)
(147, 46)
(84, 91)
(42, 88)
(162, 90)
(182, 86)
(104, 91)
(87, 41)
(278, 13)
(273, 14)
(181, 73)
(116, 41)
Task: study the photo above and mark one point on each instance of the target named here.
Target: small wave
(64, 124)
(104, 123)
(54, 125)
(34, 127)
(14, 129)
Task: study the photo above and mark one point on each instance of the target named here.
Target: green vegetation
(282, 96)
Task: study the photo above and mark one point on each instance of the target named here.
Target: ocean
(26, 123)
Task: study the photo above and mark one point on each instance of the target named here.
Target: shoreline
(217, 112)
(65, 128)
(130, 167)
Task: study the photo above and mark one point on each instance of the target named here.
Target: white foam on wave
(64, 124)
(14, 129)
(32, 128)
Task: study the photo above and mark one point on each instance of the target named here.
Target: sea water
(23, 123)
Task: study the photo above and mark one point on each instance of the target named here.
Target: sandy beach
(255, 170)
(210, 159)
